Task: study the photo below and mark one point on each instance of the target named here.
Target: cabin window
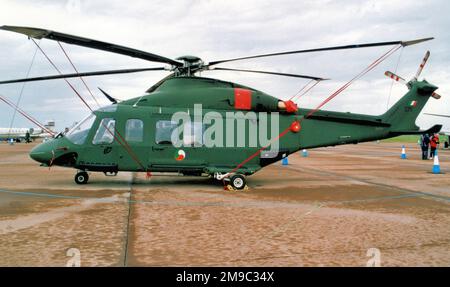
(79, 132)
(105, 132)
(134, 130)
(164, 131)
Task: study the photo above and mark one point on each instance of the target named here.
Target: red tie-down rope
(357, 77)
(303, 91)
(27, 116)
(81, 78)
(299, 92)
(121, 141)
(333, 95)
(59, 72)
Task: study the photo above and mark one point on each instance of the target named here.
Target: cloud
(216, 30)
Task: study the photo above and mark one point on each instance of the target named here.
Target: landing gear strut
(81, 177)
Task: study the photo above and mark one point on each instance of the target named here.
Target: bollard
(403, 156)
(304, 153)
(436, 166)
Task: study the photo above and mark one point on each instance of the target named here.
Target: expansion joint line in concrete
(128, 226)
(351, 178)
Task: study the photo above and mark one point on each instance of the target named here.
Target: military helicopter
(138, 134)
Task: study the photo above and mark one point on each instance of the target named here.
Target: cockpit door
(101, 153)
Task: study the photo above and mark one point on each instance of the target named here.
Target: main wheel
(238, 181)
(81, 177)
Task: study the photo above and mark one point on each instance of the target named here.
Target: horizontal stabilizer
(434, 129)
(436, 96)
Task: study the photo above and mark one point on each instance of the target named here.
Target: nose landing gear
(81, 177)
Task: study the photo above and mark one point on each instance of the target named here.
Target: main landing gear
(81, 177)
(238, 181)
(233, 181)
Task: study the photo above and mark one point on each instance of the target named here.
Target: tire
(81, 177)
(238, 181)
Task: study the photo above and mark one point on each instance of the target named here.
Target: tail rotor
(419, 71)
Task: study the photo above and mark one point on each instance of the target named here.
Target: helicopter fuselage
(198, 126)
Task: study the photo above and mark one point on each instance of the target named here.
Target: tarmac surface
(328, 209)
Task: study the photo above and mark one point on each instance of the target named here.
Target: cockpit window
(79, 132)
(105, 132)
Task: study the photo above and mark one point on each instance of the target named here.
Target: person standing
(434, 142)
(27, 137)
(424, 144)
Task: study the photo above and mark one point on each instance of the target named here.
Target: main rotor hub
(191, 64)
(189, 59)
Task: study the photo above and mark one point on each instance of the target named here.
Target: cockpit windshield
(79, 133)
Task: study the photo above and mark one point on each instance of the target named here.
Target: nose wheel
(81, 177)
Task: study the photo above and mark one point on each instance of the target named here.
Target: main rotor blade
(38, 33)
(269, 73)
(424, 61)
(86, 74)
(355, 46)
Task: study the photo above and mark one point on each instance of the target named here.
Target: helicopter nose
(41, 153)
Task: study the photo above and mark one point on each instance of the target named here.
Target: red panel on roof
(242, 99)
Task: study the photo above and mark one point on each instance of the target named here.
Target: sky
(215, 30)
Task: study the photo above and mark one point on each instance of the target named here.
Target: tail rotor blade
(394, 77)
(424, 61)
(436, 96)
